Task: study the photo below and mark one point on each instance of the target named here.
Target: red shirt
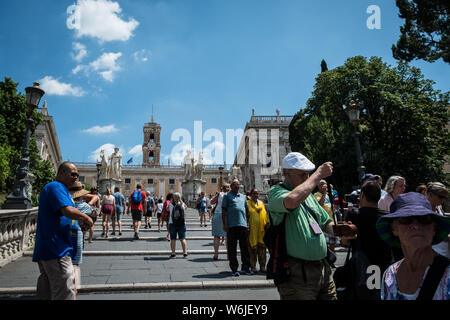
(139, 206)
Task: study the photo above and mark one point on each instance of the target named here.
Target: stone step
(161, 286)
(131, 238)
(140, 252)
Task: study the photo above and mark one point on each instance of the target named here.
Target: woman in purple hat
(422, 274)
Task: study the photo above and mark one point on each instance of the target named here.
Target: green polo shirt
(301, 242)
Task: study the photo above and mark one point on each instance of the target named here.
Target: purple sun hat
(409, 205)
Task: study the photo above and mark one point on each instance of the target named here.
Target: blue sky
(193, 60)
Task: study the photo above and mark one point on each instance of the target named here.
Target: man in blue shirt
(234, 217)
(53, 246)
(120, 200)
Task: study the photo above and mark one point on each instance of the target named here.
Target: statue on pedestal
(115, 165)
(104, 166)
(188, 165)
(199, 167)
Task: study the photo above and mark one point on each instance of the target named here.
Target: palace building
(154, 177)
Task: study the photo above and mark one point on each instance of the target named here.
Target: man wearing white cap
(310, 275)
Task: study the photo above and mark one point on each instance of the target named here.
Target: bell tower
(151, 148)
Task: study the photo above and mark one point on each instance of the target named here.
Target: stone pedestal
(108, 183)
(191, 190)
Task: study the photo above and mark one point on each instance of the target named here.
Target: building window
(127, 180)
(171, 181)
(214, 180)
(149, 181)
(81, 178)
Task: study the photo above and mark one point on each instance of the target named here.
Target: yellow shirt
(326, 205)
(257, 221)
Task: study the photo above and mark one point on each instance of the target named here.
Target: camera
(353, 197)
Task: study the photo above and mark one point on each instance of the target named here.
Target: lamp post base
(18, 198)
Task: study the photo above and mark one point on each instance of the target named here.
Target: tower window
(152, 137)
(171, 181)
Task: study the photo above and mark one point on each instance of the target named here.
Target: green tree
(402, 123)
(426, 32)
(13, 116)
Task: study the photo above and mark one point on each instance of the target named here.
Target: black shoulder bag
(434, 275)
(275, 241)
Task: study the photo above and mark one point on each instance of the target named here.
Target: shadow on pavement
(220, 275)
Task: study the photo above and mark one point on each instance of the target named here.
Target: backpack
(275, 241)
(136, 198)
(178, 215)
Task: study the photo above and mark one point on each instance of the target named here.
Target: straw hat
(77, 190)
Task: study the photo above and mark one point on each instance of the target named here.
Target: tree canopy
(402, 123)
(13, 116)
(426, 32)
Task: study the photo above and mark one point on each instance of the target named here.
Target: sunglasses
(74, 174)
(423, 220)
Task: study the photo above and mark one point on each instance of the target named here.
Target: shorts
(165, 218)
(107, 209)
(149, 213)
(118, 214)
(56, 279)
(158, 215)
(180, 230)
(136, 215)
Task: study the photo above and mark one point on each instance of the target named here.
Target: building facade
(155, 178)
(264, 144)
(47, 139)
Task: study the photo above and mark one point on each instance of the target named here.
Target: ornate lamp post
(353, 111)
(220, 179)
(98, 164)
(20, 196)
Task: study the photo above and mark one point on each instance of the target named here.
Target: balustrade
(17, 233)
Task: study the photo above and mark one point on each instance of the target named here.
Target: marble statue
(115, 164)
(104, 166)
(188, 165)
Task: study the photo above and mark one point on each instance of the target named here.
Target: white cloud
(106, 65)
(101, 19)
(53, 86)
(178, 153)
(79, 68)
(80, 51)
(136, 151)
(142, 55)
(108, 148)
(96, 130)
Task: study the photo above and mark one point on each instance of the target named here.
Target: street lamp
(220, 179)
(98, 164)
(353, 112)
(20, 196)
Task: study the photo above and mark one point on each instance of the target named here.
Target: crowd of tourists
(405, 235)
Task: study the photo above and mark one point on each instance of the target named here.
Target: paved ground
(125, 269)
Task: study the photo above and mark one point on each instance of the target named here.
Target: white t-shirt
(219, 203)
(159, 207)
(385, 202)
